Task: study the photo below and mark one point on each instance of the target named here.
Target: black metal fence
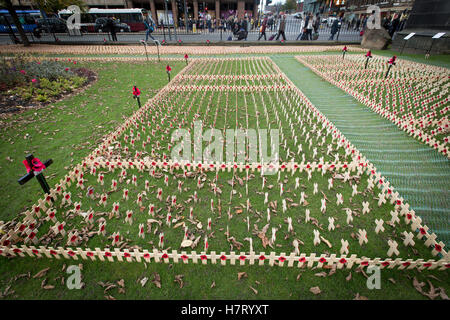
(201, 32)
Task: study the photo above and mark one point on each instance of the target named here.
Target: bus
(132, 17)
(26, 17)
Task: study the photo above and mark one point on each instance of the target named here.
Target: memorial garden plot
(413, 96)
(321, 204)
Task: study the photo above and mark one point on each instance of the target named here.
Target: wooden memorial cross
(35, 168)
(168, 69)
(136, 94)
(368, 57)
(391, 63)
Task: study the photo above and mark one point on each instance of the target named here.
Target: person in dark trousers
(110, 26)
(263, 29)
(149, 25)
(334, 29)
(281, 27)
(394, 25)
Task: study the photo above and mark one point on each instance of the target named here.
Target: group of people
(309, 25)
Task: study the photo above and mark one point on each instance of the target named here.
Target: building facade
(196, 9)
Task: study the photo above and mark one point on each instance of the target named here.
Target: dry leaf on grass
(321, 274)
(157, 280)
(213, 285)
(110, 298)
(254, 290)
(242, 275)
(349, 277)
(41, 273)
(315, 290)
(144, 281)
(179, 279)
(358, 297)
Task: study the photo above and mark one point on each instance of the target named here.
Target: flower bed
(27, 82)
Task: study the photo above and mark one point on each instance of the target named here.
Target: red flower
(262, 257)
(364, 263)
(242, 258)
(322, 260)
(168, 68)
(282, 259)
(90, 254)
(223, 258)
(126, 255)
(385, 264)
(437, 247)
(203, 257)
(35, 251)
(343, 261)
(302, 259)
(71, 253)
(53, 252)
(428, 264)
(184, 257)
(186, 56)
(165, 256)
(17, 250)
(406, 264)
(108, 254)
(146, 255)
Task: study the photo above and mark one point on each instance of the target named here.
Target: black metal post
(389, 69)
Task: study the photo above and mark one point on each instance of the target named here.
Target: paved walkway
(420, 174)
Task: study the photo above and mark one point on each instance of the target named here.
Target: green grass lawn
(67, 131)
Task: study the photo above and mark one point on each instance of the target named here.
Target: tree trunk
(17, 23)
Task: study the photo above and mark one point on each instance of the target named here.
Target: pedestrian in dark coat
(334, 28)
(282, 27)
(110, 26)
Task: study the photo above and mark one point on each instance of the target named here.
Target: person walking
(282, 27)
(270, 22)
(302, 28)
(334, 28)
(110, 25)
(309, 26)
(394, 25)
(263, 29)
(316, 26)
(149, 25)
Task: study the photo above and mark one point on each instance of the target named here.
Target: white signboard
(409, 36)
(438, 35)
